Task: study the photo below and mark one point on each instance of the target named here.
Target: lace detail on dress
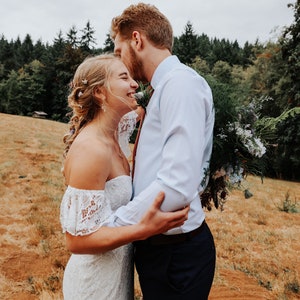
(84, 211)
(125, 130)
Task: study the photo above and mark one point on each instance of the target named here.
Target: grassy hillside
(257, 242)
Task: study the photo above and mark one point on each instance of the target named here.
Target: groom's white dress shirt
(174, 146)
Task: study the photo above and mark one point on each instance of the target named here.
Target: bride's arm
(107, 238)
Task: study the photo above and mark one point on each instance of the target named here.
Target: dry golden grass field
(258, 245)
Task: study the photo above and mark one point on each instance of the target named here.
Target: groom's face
(134, 64)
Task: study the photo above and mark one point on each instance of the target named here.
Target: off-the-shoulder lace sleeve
(83, 211)
(125, 130)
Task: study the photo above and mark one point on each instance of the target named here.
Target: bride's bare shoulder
(88, 163)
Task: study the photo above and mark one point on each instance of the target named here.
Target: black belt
(163, 239)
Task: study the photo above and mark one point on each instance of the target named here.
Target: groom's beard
(136, 67)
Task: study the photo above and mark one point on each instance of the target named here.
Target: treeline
(36, 77)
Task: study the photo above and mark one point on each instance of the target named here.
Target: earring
(103, 107)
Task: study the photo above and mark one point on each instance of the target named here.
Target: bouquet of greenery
(237, 151)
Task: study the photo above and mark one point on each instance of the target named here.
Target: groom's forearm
(135, 209)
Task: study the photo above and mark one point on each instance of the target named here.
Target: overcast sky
(241, 20)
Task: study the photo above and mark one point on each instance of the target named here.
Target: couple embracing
(154, 218)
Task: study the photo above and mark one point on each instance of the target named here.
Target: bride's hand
(156, 221)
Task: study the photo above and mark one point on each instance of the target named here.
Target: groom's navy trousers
(176, 268)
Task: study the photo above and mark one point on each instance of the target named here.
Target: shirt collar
(164, 67)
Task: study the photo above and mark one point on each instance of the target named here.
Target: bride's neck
(106, 125)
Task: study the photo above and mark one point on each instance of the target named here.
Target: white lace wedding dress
(107, 276)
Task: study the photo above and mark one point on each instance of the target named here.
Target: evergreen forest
(259, 82)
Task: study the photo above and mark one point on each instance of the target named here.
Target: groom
(173, 153)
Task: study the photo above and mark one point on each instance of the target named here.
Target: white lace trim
(83, 211)
(125, 130)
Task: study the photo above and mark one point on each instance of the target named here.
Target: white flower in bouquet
(253, 144)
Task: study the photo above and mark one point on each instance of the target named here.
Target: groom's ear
(137, 40)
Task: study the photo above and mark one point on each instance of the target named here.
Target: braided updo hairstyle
(92, 73)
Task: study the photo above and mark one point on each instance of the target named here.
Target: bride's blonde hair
(92, 73)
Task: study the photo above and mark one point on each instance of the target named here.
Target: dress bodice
(119, 191)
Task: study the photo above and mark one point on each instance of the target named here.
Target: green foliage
(24, 91)
(283, 136)
(108, 44)
(267, 77)
(32, 80)
(186, 45)
(190, 45)
(25, 51)
(7, 57)
(290, 42)
(269, 125)
(201, 66)
(87, 40)
(10, 91)
(222, 71)
(287, 163)
(36, 77)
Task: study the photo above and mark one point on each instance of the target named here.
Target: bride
(97, 176)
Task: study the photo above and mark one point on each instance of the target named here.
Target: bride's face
(122, 87)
